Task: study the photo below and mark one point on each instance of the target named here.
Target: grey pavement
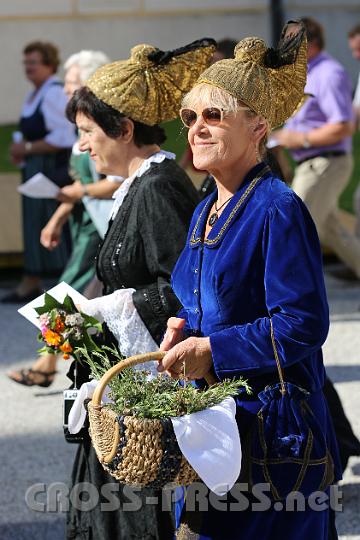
(33, 450)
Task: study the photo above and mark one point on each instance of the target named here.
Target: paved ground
(32, 448)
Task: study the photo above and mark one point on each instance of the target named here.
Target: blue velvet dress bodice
(261, 259)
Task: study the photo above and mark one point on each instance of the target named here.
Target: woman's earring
(257, 153)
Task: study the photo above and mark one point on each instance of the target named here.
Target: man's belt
(332, 153)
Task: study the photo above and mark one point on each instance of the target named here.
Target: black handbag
(287, 444)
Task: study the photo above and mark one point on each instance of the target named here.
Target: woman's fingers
(171, 338)
(192, 358)
(175, 323)
(174, 333)
(169, 360)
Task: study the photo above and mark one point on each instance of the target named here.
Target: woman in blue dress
(252, 256)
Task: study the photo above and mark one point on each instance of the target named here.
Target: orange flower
(52, 338)
(59, 324)
(66, 348)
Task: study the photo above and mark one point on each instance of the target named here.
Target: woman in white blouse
(47, 139)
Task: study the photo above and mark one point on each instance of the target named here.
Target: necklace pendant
(213, 219)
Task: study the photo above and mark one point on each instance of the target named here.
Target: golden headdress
(269, 81)
(149, 86)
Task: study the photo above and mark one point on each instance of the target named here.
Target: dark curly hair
(110, 120)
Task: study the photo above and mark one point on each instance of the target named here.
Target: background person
(47, 141)
(319, 139)
(324, 168)
(354, 44)
(80, 267)
(252, 259)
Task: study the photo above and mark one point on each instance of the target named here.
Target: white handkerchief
(77, 413)
(58, 292)
(39, 186)
(210, 442)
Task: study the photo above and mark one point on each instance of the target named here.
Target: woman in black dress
(118, 113)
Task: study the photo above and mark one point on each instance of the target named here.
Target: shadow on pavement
(29, 464)
(343, 373)
(41, 530)
(348, 521)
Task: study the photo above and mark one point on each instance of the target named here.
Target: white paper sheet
(39, 186)
(58, 292)
(99, 211)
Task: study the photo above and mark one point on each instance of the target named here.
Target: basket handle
(133, 361)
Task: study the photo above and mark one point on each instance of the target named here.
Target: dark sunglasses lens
(212, 115)
(188, 117)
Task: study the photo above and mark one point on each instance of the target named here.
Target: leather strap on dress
(277, 360)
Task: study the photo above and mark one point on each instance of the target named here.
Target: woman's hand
(17, 152)
(289, 139)
(191, 358)
(72, 193)
(174, 333)
(50, 236)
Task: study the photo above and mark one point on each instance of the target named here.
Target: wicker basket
(136, 451)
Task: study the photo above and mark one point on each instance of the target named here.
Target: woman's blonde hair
(217, 97)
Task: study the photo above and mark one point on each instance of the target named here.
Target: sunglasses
(212, 116)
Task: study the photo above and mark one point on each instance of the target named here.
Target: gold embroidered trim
(244, 196)
(297, 461)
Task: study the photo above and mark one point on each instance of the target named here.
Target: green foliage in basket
(135, 393)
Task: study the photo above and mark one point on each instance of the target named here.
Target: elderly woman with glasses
(251, 271)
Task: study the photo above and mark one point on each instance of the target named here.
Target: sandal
(27, 380)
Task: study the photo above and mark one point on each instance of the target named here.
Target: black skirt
(106, 509)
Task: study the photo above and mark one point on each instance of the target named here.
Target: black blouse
(145, 239)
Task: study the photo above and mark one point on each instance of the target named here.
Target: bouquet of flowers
(64, 329)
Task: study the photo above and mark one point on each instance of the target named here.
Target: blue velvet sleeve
(295, 298)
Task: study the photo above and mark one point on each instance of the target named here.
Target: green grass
(175, 132)
(176, 142)
(5, 141)
(176, 138)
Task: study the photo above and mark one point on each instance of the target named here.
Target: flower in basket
(64, 329)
